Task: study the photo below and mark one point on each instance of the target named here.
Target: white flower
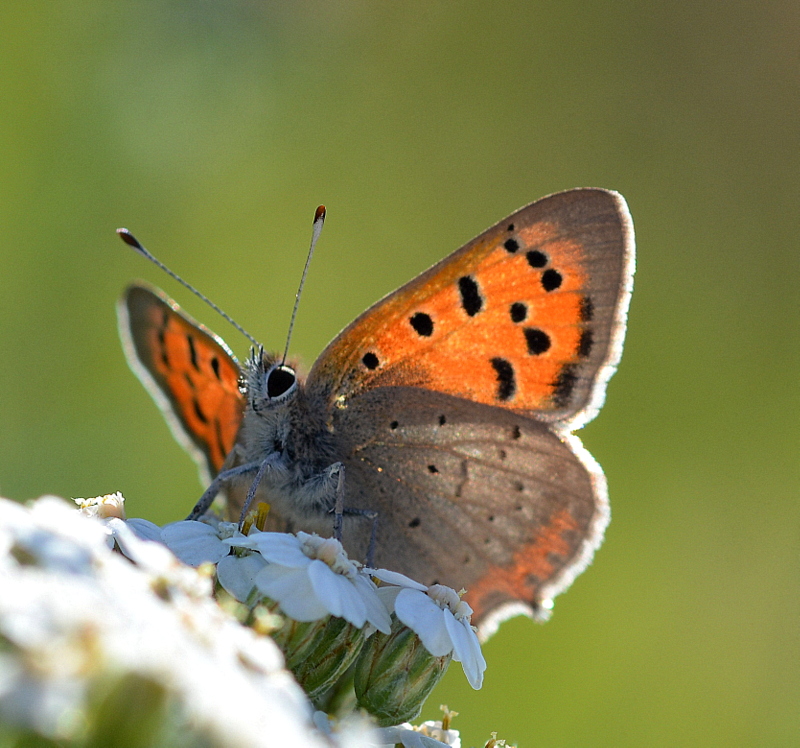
(103, 507)
(51, 533)
(436, 730)
(195, 542)
(237, 574)
(439, 617)
(74, 614)
(192, 542)
(427, 735)
(354, 731)
(111, 509)
(311, 577)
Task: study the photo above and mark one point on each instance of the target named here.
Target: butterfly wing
(533, 310)
(189, 371)
(452, 400)
(470, 495)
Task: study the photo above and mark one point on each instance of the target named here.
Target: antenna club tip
(129, 238)
(320, 213)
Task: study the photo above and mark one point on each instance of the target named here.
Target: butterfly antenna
(132, 241)
(319, 221)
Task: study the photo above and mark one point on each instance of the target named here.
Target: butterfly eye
(281, 381)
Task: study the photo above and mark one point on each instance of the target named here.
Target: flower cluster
(399, 637)
(81, 625)
(311, 578)
(105, 628)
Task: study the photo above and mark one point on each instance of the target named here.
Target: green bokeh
(213, 129)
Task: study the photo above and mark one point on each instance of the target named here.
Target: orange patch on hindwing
(531, 565)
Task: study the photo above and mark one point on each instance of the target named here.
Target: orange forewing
(177, 357)
(457, 357)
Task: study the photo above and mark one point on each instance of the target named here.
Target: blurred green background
(213, 129)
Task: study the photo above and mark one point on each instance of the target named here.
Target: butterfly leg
(205, 501)
(338, 507)
(268, 463)
(340, 510)
(371, 515)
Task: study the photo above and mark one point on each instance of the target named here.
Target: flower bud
(318, 652)
(395, 673)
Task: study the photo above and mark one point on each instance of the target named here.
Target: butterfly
(441, 418)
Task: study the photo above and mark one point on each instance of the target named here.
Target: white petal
(293, 591)
(59, 552)
(194, 542)
(377, 613)
(433, 729)
(395, 578)
(147, 554)
(323, 723)
(392, 736)
(423, 616)
(388, 595)
(277, 547)
(337, 593)
(56, 516)
(467, 649)
(237, 574)
(145, 529)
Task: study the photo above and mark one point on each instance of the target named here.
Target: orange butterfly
(441, 417)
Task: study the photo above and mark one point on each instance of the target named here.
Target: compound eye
(281, 381)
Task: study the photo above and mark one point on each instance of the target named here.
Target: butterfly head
(269, 384)
(281, 416)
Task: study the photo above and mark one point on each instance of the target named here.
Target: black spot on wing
(511, 245)
(536, 259)
(587, 309)
(192, 352)
(219, 437)
(538, 341)
(162, 346)
(370, 360)
(506, 381)
(564, 385)
(519, 311)
(585, 344)
(471, 299)
(422, 324)
(215, 368)
(551, 280)
(199, 413)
